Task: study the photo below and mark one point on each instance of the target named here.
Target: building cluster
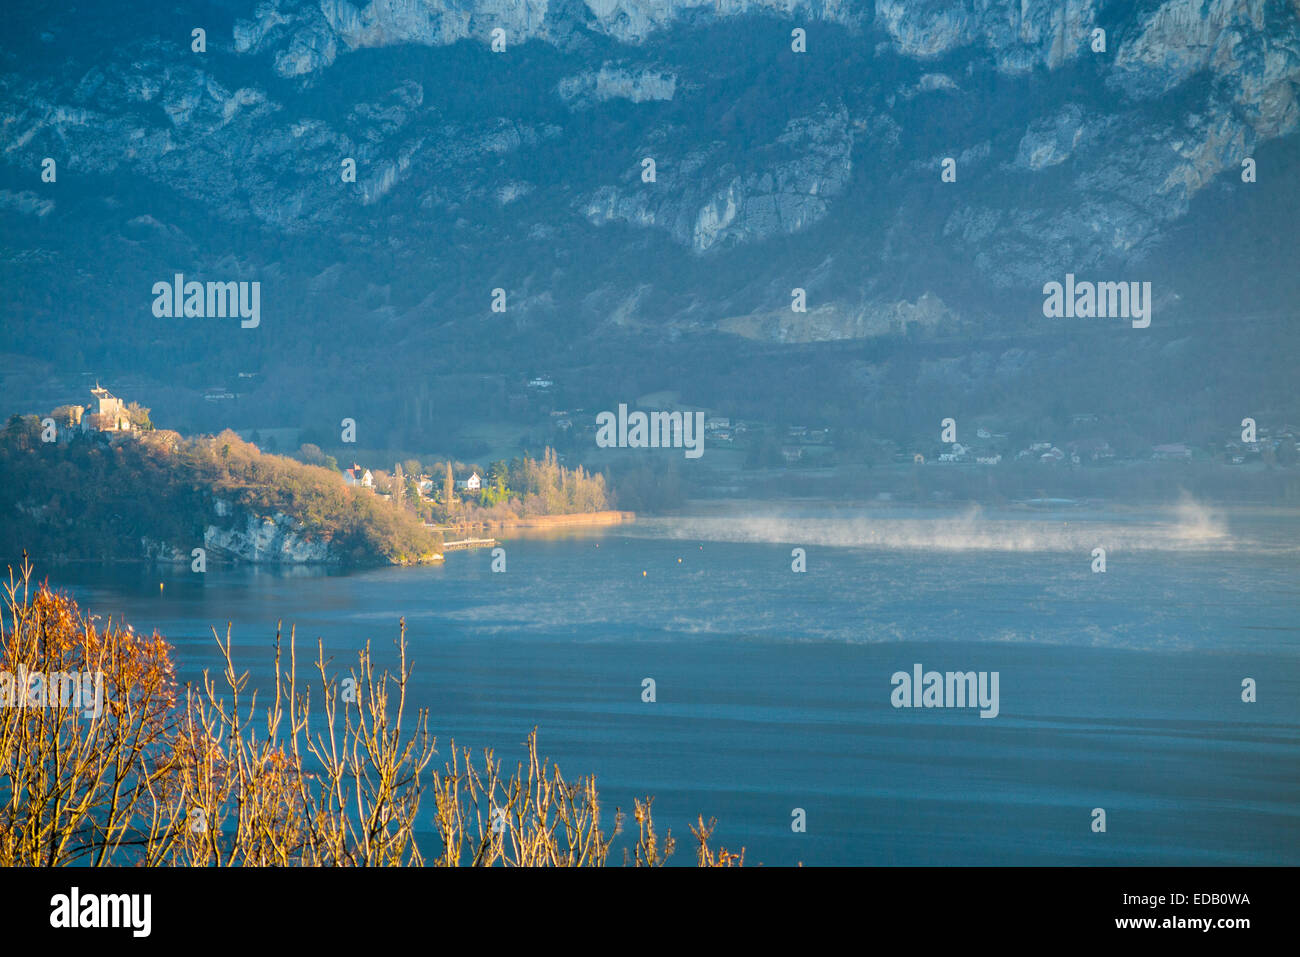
(992, 448)
(359, 477)
(107, 413)
(1282, 444)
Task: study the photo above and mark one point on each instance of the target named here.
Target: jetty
(468, 543)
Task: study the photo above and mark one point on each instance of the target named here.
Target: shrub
(212, 777)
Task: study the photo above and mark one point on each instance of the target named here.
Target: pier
(468, 543)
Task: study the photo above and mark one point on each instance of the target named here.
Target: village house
(1037, 450)
(956, 453)
(471, 484)
(358, 476)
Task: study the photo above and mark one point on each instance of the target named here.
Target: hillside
(157, 495)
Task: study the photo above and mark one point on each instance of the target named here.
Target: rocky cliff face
(261, 540)
(524, 169)
(704, 200)
(273, 539)
(305, 37)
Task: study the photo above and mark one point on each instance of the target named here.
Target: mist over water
(1189, 525)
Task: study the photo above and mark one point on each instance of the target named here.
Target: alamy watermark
(951, 689)
(1098, 300)
(651, 430)
(68, 689)
(212, 300)
(129, 911)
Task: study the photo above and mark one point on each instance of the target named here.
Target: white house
(358, 476)
(471, 484)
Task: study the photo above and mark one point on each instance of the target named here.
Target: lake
(1119, 690)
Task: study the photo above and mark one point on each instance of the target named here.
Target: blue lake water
(1120, 690)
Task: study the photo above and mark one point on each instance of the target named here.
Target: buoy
(643, 573)
(679, 561)
(160, 586)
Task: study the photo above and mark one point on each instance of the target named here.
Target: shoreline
(572, 519)
(611, 517)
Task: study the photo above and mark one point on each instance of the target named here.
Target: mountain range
(794, 145)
